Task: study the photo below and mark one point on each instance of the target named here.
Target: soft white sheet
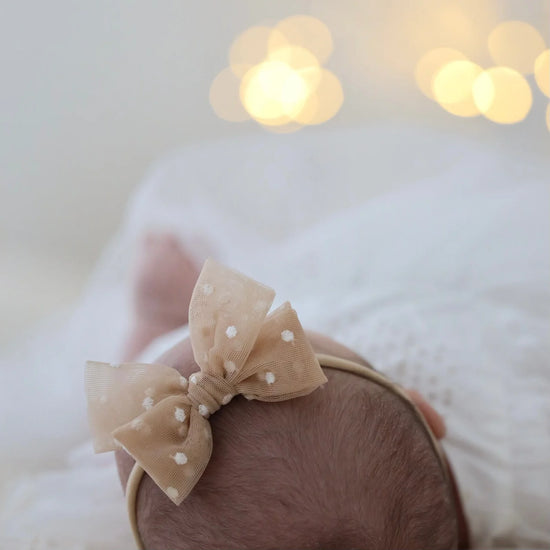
(441, 282)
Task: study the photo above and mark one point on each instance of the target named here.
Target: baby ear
(432, 417)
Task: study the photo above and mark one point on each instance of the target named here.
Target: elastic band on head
(369, 373)
(328, 361)
(132, 487)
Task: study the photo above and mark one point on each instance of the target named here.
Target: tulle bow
(161, 418)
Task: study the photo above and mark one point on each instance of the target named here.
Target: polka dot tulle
(161, 418)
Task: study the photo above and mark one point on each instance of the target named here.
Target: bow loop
(226, 313)
(283, 364)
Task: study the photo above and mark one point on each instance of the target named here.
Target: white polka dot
(227, 398)
(148, 403)
(231, 332)
(207, 289)
(229, 366)
(269, 377)
(183, 381)
(172, 492)
(287, 336)
(203, 409)
(180, 458)
(193, 379)
(179, 415)
(137, 424)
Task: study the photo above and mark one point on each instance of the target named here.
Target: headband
(161, 418)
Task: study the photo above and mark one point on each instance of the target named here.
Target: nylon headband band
(327, 361)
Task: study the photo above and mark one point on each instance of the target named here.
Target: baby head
(348, 466)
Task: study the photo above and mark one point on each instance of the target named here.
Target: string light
(452, 87)
(542, 72)
(275, 76)
(249, 49)
(515, 44)
(224, 97)
(430, 64)
(501, 93)
(273, 91)
(305, 31)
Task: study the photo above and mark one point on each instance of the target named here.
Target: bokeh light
(249, 49)
(452, 87)
(224, 97)
(515, 44)
(305, 31)
(430, 64)
(325, 102)
(272, 91)
(275, 77)
(300, 60)
(502, 95)
(542, 72)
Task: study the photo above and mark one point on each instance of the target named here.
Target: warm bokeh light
(273, 90)
(305, 31)
(452, 87)
(275, 77)
(456, 23)
(542, 72)
(224, 97)
(300, 60)
(502, 95)
(249, 49)
(324, 103)
(515, 44)
(430, 64)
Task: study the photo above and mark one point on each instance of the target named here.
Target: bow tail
(118, 393)
(172, 442)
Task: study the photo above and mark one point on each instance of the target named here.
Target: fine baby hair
(351, 465)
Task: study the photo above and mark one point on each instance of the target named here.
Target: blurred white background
(92, 93)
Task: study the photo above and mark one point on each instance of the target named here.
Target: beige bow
(160, 417)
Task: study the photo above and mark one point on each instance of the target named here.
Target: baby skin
(162, 286)
(287, 492)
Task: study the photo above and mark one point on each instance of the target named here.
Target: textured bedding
(427, 254)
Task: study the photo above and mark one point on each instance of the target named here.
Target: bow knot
(160, 418)
(208, 393)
